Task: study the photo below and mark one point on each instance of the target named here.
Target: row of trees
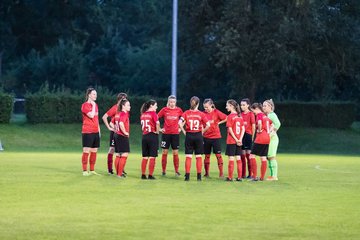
(284, 49)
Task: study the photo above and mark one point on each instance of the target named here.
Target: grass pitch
(45, 196)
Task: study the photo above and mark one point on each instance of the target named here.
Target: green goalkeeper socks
(274, 165)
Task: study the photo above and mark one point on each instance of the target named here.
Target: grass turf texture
(45, 196)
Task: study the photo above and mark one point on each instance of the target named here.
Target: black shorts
(91, 140)
(150, 145)
(122, 144)
(112, 140)
(213, 143)
(194, 143)
(260, 149)
(247, 142)
(233, 150)
(170, 139)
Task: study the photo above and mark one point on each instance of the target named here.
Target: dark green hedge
(66, 108)
(315, 114)
(311, 114)
(6, 106)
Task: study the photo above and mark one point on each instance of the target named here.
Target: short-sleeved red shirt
(90, 125)
(124, 118)
(148, 122)
(249, 120)
(171, 119)
(235, 122)
(263, 137)
(112, 111)
(214, 117)
(194, 120)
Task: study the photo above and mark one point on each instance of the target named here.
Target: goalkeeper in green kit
(269, 107)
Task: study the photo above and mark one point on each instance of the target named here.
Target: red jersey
(171, 119)
(214, 117)
(263, 134)
(90, 125)
(124, 118)
(148, 122)
(194, 120)
(112, 111)
(235, 122)
(249, 120)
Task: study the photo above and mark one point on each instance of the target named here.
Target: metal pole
(174, 48)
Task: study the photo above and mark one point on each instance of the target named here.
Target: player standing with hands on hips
(111, 114)
(170, 133)
(90, 131)
(193, 120)
(212, 137)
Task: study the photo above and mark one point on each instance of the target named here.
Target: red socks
(239, 168)
(121, 165)
(243, 162)
(248, 163)
(110, 161)
(263, 169)
(220, 164)
(207, 164)
(187, 164)
(92, 160)
(164, 162)
(151, 166)
(231, 169)
(176, 162)
(143, 165)
(84, 160)
(253, 167)
(117, 162)
(198, 164)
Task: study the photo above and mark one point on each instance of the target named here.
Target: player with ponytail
(261, 144)
(90, 131)
(269, 107)
(150, 126)
(236, 130)
(193, 120)
(170, 133)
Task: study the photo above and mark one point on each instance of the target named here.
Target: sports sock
(122, 165)
(274, 167)
(231, 169)
(220, 164)
(164, 162)
(187, 164)
(84, 160)
(239, 168)
(110, 161)
(247, 155)
(263, 169)
(270, 167)
(92, 160)
(176, 162)
(253, 167)
(117, 162)
(152, 166)
(143, 165)
(243, 166)
(198, 164)
(207, 164)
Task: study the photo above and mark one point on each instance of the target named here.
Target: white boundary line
(317, 167)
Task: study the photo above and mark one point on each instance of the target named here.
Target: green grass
(67, 137)
(44, 196)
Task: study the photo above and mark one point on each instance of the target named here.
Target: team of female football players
(251, 131)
